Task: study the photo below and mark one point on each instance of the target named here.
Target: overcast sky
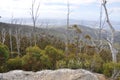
(80, 9)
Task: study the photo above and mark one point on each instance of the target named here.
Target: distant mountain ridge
(61, 22)
(58, 31)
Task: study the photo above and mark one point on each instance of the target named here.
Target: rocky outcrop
(61, 74)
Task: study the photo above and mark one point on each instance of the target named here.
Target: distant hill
(58, 31)
(59, 22)
(24, 29)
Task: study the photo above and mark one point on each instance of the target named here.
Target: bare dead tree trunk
(68, 14)
(3, 35)
(10, 34)
(111, 40)
(100, 26)
(17, 36)
(34, 14)
(30, 38)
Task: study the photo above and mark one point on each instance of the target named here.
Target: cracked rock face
(60, 74)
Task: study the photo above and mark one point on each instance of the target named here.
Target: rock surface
(60, 74)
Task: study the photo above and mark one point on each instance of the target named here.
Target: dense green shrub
(35, 59)
(4, 52)
(33, 50)
(106, 56)
(26, 62)
(54, 55)
(109, 67)
(74, 64)
(3, 68)
(45, 62)
(85, 60)
(61, 64)
(4, 55)
(96, 63)
(15, 63)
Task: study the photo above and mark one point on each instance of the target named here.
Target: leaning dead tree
(111, 40)
(34, 15)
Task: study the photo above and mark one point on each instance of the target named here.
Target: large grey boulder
(60, 74)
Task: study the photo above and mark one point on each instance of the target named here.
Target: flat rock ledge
(60, 74)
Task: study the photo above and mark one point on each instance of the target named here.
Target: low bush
(15, 63)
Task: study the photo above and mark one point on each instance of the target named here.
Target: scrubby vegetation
(49, 53)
